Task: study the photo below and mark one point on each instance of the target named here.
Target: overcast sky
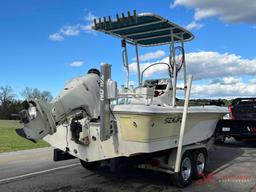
(44, 43)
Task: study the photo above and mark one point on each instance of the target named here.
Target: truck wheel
(199, 166)
(184, 177)
(90, 165)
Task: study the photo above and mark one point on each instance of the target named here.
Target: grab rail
(162, 63)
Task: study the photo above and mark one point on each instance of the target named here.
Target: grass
(10, 141)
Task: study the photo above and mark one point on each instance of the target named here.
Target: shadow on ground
(131, 179)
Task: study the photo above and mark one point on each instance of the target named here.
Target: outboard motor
(80, 95)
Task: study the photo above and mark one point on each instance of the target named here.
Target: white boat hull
(140, 130)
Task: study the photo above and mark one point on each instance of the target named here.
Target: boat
(94, 120)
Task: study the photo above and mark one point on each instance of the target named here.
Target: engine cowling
(80, 95)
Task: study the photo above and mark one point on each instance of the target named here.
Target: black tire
(200, 163)
(184, 177)
(90, 165)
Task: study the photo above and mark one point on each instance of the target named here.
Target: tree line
(10, 105)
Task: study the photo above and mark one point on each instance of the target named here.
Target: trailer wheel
(184, 177)
(90, 165)
(200, 161)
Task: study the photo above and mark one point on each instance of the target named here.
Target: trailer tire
(184, 177)
(200, 162)
(91, 166)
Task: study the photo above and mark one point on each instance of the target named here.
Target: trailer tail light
(231, 114)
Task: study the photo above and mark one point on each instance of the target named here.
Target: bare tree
(6, 102)
(6, 95)
(46, 96)
(34, 93)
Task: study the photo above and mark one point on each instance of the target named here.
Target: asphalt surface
(231, 167)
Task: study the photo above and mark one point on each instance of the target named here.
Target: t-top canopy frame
(145, 29)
